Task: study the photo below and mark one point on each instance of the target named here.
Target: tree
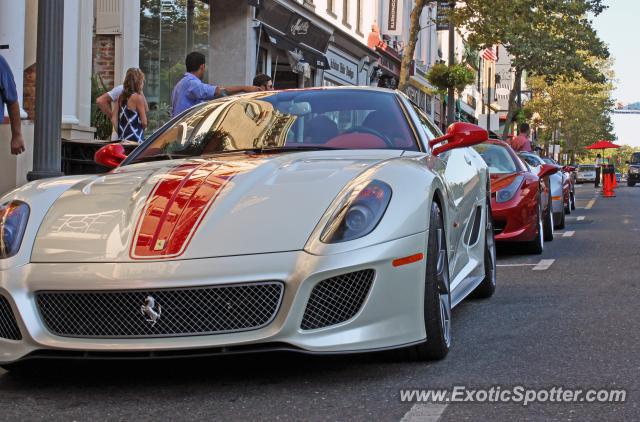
(578, 107)
(549, 38)
(410, 49)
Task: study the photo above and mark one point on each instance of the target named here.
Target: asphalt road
(574, 324)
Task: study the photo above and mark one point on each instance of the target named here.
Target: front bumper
(390, 316)
(515, 220)
(633, 177)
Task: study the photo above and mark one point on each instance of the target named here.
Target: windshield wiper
(159, 157)
(290, 148)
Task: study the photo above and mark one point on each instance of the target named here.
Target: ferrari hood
(184, 209)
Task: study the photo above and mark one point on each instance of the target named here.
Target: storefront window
(169, 30)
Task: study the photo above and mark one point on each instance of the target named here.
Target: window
(340, 119)
(359, 18)
(430, 129)
(169, 29)
(331, 8)
(345, 13)
(497, 158)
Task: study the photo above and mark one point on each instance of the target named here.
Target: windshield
(497, 158)
(586, 168)
(532, 160)
(318, 119)
(635, 158)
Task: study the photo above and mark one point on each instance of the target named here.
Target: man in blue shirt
(190, 90)
(9, 96)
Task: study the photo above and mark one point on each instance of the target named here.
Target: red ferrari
(520, 198)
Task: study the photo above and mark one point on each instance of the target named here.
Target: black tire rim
(442, 274)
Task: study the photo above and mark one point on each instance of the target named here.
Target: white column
(12, 18)
(128, 44)
(85, 54)
(70, 63)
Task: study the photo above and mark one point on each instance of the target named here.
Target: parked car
(559, 185)
(520, 197)
(321, 221)
(568, 181)
(586, 173)
(633, 172)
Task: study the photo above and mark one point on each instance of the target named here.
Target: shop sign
(393, 12)
(342, 68)
(442, 16)
(295, 27)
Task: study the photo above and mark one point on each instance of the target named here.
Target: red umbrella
(603, 145)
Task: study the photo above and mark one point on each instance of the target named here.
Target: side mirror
(627, 162)
(459, 135)
(110, 155)
(548, 170)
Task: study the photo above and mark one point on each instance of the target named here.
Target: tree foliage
(578, 107)
(456, 76)
(549, 38)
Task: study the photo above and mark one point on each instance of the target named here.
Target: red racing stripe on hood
(176, 206)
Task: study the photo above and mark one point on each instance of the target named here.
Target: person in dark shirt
(9, 96)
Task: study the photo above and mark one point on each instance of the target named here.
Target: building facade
(299, 43)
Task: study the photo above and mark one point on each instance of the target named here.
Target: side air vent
(337, 299)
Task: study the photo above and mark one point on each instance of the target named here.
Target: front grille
(8, 325)
(182, 312)
(337, 299)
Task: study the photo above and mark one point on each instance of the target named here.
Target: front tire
(631, 184)
(536, 246)
(561, 223)
(548, 222)
(572, 197)
(437, 297)
(488, 285)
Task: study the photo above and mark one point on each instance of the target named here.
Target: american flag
(489, 54)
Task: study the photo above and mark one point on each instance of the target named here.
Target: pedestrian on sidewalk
(105, 103)
(9, 97)
(522, 143)
(263, 81)
(599, 163)
(190, 90)
(129, 113)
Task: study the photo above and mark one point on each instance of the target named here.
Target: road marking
(581, 218)
(421, 412)
(544, 264)
(590, 204)
(516, 265)
(568, 234)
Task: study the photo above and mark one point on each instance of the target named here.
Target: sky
(619, 27)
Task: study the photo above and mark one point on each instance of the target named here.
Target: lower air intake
(8, 325)
(337, 299)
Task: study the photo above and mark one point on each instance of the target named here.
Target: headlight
(506, 194)
(359, 212)
(634, 170)
(13, 221)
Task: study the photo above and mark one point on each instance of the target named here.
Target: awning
(311, 56)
